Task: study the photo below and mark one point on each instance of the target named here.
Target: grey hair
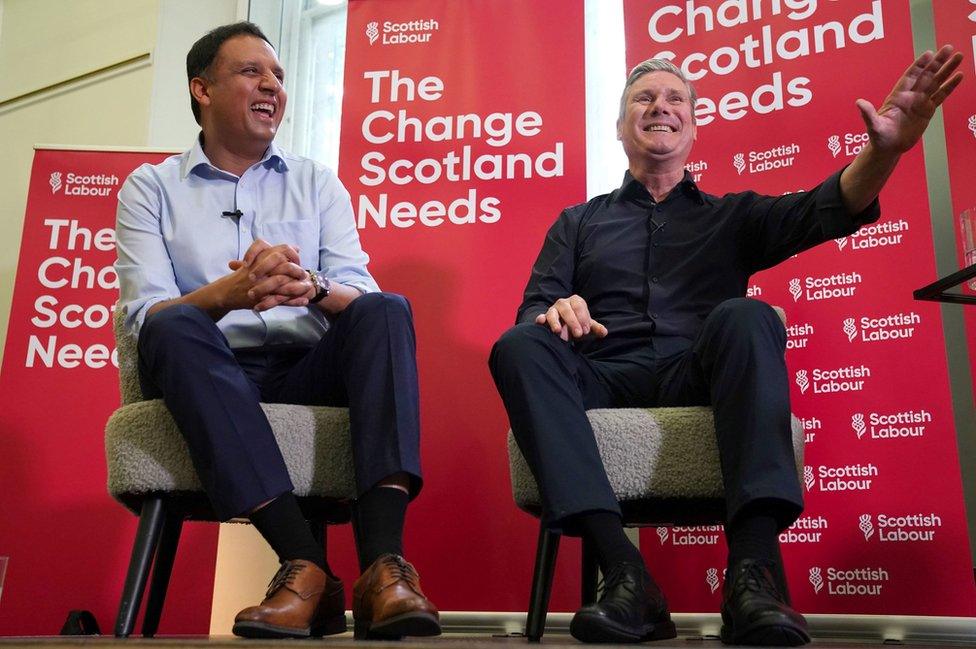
(655, 65)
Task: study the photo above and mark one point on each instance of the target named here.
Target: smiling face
(658, 123)
(242, 99)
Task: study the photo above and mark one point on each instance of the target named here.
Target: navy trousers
(735, 365)
(366, 361)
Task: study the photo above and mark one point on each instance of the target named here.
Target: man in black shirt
(637, 299)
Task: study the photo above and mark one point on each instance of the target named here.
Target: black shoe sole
(417, 624)
(263, 630)
(766, 635)
(597, 628)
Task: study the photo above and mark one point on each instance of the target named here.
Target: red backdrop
(67, 540)
(955, 23)
(884, 530)
(515, 69)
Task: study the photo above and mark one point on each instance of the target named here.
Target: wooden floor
(447, 641)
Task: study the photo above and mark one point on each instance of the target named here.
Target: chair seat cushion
(146, 453)
(648, 453)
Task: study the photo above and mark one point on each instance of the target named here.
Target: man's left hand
(907, 110)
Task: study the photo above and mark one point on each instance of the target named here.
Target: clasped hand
(267, 276)
(569, 317)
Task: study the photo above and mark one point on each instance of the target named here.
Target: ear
(619, 135)
(200, 89)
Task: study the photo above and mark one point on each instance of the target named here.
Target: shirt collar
(630, 188)
(196, 161)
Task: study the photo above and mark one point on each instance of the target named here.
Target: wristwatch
(321, 283)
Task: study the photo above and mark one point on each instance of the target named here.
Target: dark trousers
(735, 365)
(366, 361)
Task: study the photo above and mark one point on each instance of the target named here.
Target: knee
(745, 314)
(745, 322)
(174, 322)
(381, 303)
(518, 344)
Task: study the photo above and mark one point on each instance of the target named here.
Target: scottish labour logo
(866, 526)
(55, 182)
(373, 31)
(816, 579)
(711, 578)
(857, 423)
(802, 381)
(739, 162)
(833, 143)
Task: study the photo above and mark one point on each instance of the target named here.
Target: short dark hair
(201, 56)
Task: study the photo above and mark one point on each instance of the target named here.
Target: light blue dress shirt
(172, 238)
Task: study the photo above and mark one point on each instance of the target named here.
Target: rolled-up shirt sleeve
(143, 266)
(341, 256)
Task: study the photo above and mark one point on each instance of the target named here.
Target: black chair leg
(162, 569)
(143, 550)
(545, 566)
(591, 571)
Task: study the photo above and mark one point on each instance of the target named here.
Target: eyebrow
(275, 68)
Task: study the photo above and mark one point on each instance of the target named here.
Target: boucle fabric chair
(150, 473)
(664, 468)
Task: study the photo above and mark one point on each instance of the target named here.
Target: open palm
(907, 110)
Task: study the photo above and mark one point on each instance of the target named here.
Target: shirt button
(654, 279)
(655, 245)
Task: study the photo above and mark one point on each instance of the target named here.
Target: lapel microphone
(236, 214)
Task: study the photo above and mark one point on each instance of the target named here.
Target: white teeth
(265, 107)
(660, 127)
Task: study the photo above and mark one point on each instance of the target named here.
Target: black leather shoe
(755, 612)
(632, 609)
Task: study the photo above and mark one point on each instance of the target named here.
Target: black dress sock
(754, 534)
(605, 531)
(283, 526)
(379, 516)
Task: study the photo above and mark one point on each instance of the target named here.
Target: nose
(658, 106)
(270, 82)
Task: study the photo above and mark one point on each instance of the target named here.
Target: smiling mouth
(264, 108)
(659, 128)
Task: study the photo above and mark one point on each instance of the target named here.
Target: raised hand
(905, 114)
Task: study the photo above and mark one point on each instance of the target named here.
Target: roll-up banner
(67, 541)
(884, 529)
(955, 23)
(463, 137)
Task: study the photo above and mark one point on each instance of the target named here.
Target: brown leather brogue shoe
(388, 603)
(301, 601)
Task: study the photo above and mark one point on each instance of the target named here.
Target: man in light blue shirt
(242, 275)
